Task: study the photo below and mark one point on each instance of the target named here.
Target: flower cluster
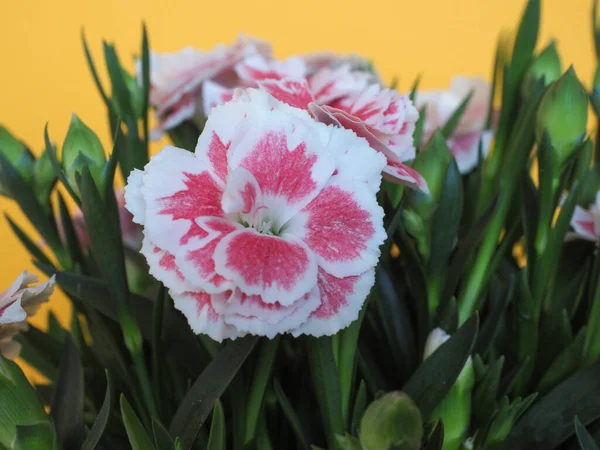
(17, 303)
(271, 226)
(334, 90)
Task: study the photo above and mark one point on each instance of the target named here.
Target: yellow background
(43, 75)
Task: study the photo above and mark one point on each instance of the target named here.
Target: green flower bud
(546, 66)
(455, 409)
(20, 404)
(17, 154)
(82, 147)
(563, 114)
(44, 178)
(391, 421)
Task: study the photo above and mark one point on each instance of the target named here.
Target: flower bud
(391, 421)
(455, 409)
(20, 404)
(44, 178)
(17, 154)
(82, 147)
(563, 114)
(546, 66)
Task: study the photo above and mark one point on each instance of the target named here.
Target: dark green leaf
(346, 363)
(525, 41)
(185, 135)
(67, 402)
(436, 440)
(447, 316)
(27, 242)
(526, 322)
(72, 243)
(95, 434)
(530, 211)
(291, 416)
(162, 438)
(486, 393)
(145, 83)
(586, 441)
(549, 421)
(216, 439)
(208, 387)
(36, 436)
(120, 93)
(564, 364)
(327, 388)
(51, 152)
(138, 437)
(92, 67)
(261, 375)
(360, 404)
(436, 375)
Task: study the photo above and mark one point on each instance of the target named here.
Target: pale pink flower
(471, 131)
(586, 222)
(271, 226)
(383, 117)
(17, 303)
(176, 78)
(319, 60)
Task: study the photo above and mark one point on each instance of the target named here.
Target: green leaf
(530, 212)
(145, 83)
(436, 375)
(72, 243)
(67, 402)
(51, 152)
(216, 438)
(291, 416)
(261, 375)
(138, 437)
(185, 135)
(546, 172)
(447, 316)
(486, 393)
(162, 438)
(120, 93)
(92, 67)
(27, 242)
(419, 126)
(208, 387)
(415, 88)
(525, 41)
(360, 404)
(323, 372)
(526, 323)
(548, 422)
(346, 364)
(37, 436)
(450, 126)
(95, 434)
(564, 364)
(436, 440)
(586, 441)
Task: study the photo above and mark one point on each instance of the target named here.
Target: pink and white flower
(176, 78)
(383, 117)
(471, 131)
(271, 226)
(586, 222)
(17, 303)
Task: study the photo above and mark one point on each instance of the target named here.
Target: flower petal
(134, 199)
(401, 173)
(198, 309)
(293, 92)
(583, 224)
(177, 190)
(280, 270)
(341, 301)
(213, 94)
(329, 84)
(343, 226)
(257, 68)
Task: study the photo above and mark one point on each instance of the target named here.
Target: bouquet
(318, 261)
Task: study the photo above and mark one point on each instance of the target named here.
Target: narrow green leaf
(216, 438)
(185, 135)
(92, 67)
(548, 422)
(586, 441)
(564, 364)
(51, 152)
(138, 437)
(327, 389)
(162, 438)
(36, 436)
(145, 85)
(67, 402)
(360, 404)
(208, 387)
(454, 120)
(27, 242)
(525, 41)
(419, 126)
(526, 323)
(72, 243)
(93, 438)
(348, 341)
(415, 88)
(436, 375)
(261, 375)
(120, 93)
(486, 394)
(291, 416)
(436, 440)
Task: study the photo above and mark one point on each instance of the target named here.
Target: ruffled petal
(258, 68)
(198, 309)
(465, 148)
(277, 269)
(177, 190)
(213, 94)
(343, 226)
(134, 199)
(293, 92)
(341, 302)
(583, 224)
(329, 84)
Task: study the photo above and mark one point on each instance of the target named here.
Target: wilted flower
(176, 78)
(17, 303)
(586, 222)
(271, 226)
(471, 130)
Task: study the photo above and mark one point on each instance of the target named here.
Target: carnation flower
(471, 131)
(586, 222)
(383, 117)
(17, 303)
(271, 226)
(176, 78)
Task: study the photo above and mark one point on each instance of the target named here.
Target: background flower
(17, 303)
(586, 222)
(271, 226)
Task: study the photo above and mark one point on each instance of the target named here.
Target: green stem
(433, 295)
(591, 348)
(157, 317)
